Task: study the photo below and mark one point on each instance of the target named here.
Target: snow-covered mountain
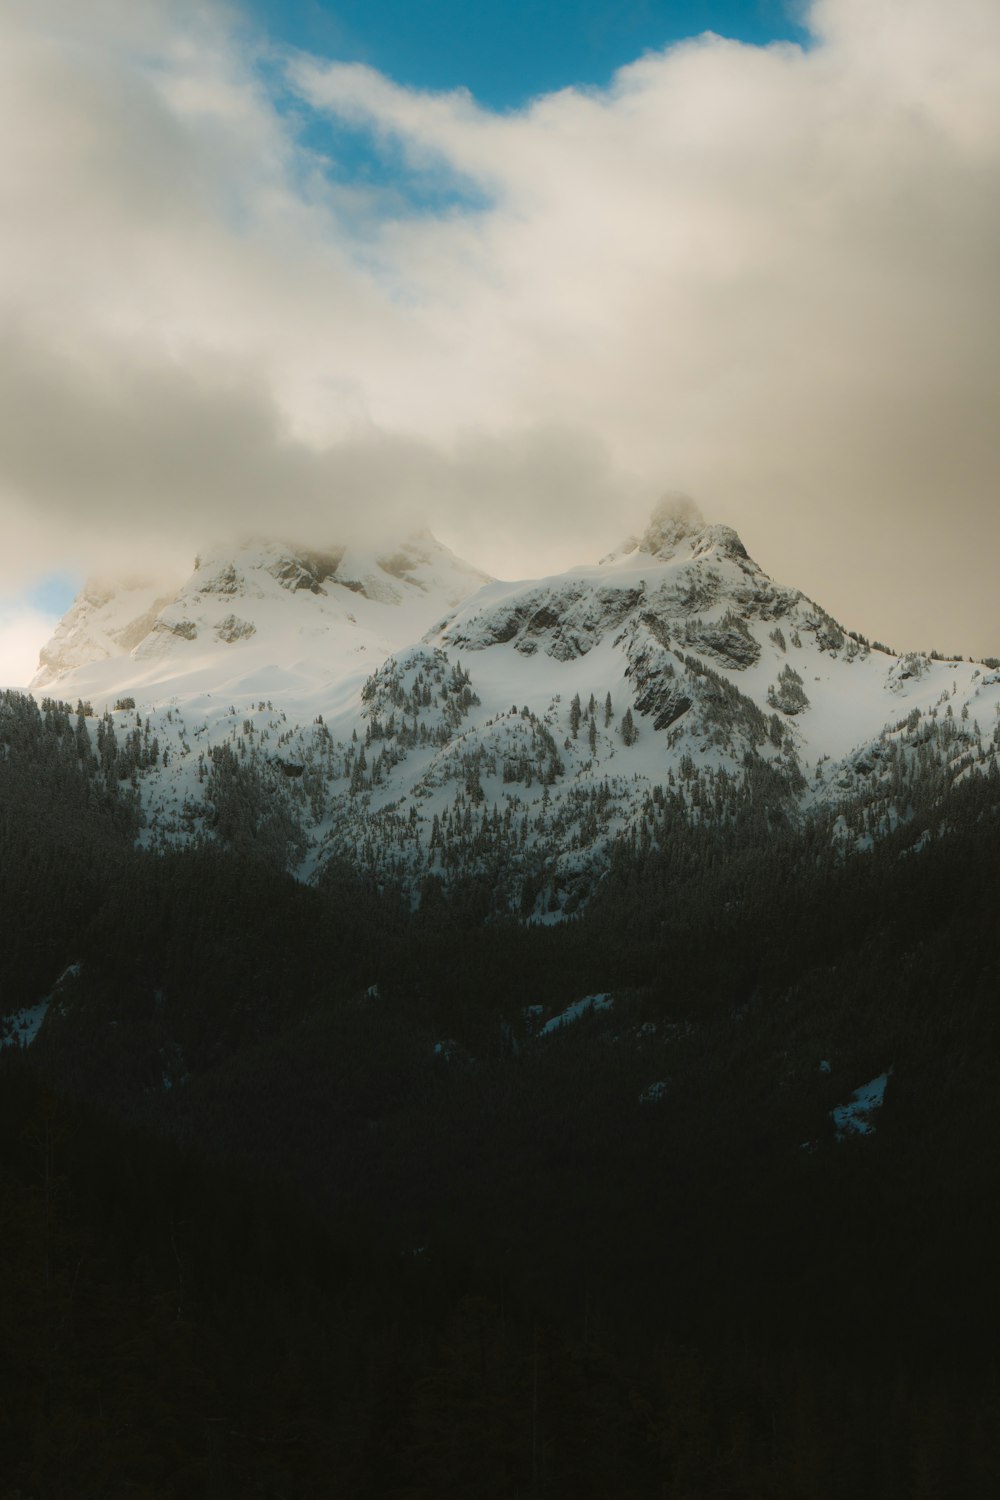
(261, 614)
(402, 711)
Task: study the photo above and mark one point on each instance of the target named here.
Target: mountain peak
(291, 603)
(677, 524)
(675, 519)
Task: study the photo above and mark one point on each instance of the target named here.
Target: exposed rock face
(306, 570)
(729, 642)
(224, 582)
(184, 630)
(563, 621)
(233, 629)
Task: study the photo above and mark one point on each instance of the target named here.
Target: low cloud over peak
(764, 275)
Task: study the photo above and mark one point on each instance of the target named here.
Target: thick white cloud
(767, 276)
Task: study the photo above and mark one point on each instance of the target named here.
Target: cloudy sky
(515, 269)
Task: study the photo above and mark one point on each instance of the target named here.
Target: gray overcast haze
(768, 277)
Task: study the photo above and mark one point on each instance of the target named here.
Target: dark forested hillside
(302, 1196)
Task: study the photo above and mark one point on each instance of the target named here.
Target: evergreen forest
(305, 1191)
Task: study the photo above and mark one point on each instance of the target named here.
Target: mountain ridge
(420, 722)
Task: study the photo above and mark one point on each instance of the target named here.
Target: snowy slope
(401, 712)
(263, 618)
(685, 597)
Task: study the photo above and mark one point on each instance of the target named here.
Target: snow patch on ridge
(575, 1011)
(855, 1117)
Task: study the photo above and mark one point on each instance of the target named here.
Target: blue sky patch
(54, 594)
(507, 52)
